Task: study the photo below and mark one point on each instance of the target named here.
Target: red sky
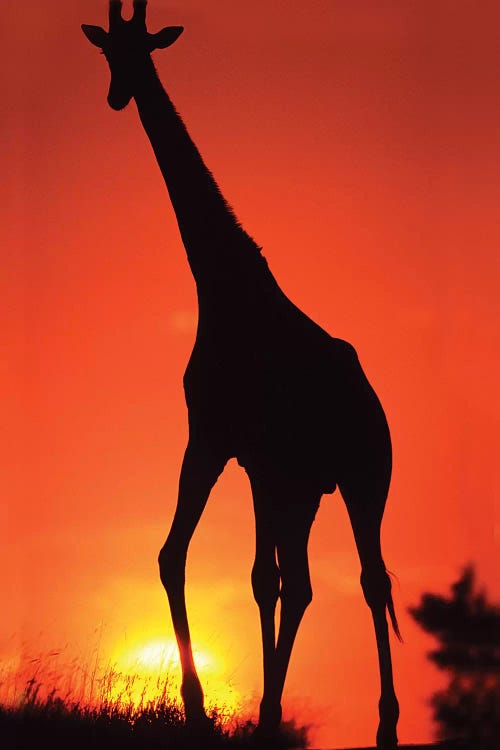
(359, 145)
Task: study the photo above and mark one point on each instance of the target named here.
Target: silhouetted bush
(467, 627)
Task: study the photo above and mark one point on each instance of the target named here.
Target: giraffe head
(125, 45)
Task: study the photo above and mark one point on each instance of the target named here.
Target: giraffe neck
(209, 229)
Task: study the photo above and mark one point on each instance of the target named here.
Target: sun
(147, 670)
(152, 656)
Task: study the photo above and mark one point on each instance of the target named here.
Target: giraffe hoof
(386, 739)
(265, 738)
(265, 733)
(269, 719)
(199, 725)
(197, 722)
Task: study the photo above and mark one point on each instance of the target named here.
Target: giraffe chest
(256, 394)
(221, 380)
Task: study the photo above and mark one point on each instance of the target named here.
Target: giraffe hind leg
(365, 504)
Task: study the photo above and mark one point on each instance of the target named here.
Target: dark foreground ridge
(58, 726)
(443, 745)
(53, 724)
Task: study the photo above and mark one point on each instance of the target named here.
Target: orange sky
(359, 145)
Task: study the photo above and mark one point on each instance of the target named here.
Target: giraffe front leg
(200, 470)
(296, 590)
(266, 586)
(292, 523)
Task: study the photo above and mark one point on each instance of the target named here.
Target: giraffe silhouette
(265, 385)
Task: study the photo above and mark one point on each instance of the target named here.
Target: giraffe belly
(291, 439)
(291, 463)
(310, 417)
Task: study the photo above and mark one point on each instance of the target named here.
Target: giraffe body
(265, 385)
(271, 388)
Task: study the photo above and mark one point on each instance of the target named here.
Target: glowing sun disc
(146, 670)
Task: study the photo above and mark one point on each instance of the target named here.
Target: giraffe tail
(391, 609)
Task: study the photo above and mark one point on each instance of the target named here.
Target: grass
(74, 709)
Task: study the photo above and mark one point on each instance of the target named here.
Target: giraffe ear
(165, 37)
(96, 36)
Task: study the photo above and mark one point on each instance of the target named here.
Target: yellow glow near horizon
(145, 672)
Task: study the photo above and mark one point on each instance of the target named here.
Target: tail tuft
(392, 612)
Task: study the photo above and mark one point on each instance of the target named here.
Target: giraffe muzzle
(118, 98)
